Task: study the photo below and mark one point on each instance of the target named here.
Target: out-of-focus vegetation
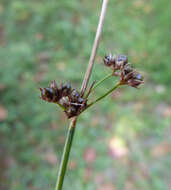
(124, 142)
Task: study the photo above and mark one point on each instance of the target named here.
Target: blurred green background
(124, 142)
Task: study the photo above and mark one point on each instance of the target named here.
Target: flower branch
(104, 95)
(101, 81)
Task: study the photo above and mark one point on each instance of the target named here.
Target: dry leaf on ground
(3, 113)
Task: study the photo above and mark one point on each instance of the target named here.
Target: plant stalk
(95, 47)
(65, 156)
(71, 130)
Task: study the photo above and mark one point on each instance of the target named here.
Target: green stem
(103, 96)
(65, 156)
(61, 106)
(98, 83)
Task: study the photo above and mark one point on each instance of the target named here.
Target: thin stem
(104, 95)
(72, 126)
(90, 90)
(98, 83)
(95, 47)
(65, 156)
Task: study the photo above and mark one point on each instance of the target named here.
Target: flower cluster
(128, 75)
(116, 63)
(68, 98)
(74, 103)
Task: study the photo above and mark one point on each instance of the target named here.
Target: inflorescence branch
(71, 100)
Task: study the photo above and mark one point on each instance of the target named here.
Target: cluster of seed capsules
(68, 98)
(120, 66)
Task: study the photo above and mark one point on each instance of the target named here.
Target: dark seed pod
(134, 83)
(124, 70)
(65, 96)
(80, 100)
(74, 96)
(71, 112)
(64, 101)
(131, 77)
(56, 92)
(47, 94)
(116, 63)
(109, 60)
(121, 60)
(75, 93)
(53, 85)
(65, 89)
(65, 86)
(138, 76)
(127, 69)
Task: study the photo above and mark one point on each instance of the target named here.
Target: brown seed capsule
(134, 83)
(130, 77)
(69, 98)
(74, 96)
(47, 94)
(121, 60)
(71, 112)
(64, 101)
(53, 85)
(109, 60)
(136, 80)
(127, 69)
(80, 100)
(65, 89)
(116, 63)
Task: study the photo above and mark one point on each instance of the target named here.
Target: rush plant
(74, 102)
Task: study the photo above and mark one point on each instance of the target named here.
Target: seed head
(70, 99)
(116, 63)
(131, 77)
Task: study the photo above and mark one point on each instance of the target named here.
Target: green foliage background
(43, 40)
